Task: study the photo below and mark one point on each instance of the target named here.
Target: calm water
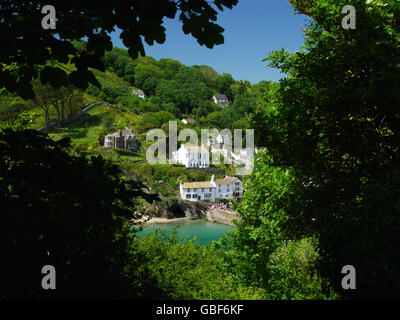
(204, 231)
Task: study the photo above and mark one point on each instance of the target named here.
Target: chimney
(212, 178)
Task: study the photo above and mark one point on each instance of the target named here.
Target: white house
(188, 121)
(197, 191)
(227, 188)
(139, 93)
(220, 99)
(192, 156)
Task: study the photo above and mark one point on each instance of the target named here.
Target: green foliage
(223, 85)
(12, 108)
(156, 119)
(210, 75)
(21, 61)
(293, 272)
(65, 211)
(147, 77)
(169, 67)
(185, 95)
(262, 253)
(185, 270)
(334, 122)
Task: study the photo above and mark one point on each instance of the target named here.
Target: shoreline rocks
(222, 216)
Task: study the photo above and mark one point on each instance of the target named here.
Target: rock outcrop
(170, 209)
(222, 216)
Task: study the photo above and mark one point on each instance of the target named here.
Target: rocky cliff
(167, 208)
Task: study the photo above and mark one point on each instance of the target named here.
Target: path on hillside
(74, 117)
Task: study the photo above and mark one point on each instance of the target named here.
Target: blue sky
(253, 29)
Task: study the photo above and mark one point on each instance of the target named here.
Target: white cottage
(227, 188)
(192, 156)
(189, 121)
(220, 99)
(139, 93)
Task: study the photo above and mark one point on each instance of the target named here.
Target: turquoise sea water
(204, 231)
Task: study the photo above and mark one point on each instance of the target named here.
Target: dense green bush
(185, 270)
(60, 210)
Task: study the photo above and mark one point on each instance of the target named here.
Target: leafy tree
(158, 118)
(205, 108)
(186, 270)
(43, 99)
(293, 272)
(130, 101)
(244, 103)
(11, 107)
(185, 95)
(147, 77)
(66, 100)
(262, 252)
(73, 102)
(35, 46)
(187, 75)
(335, 122)
(65, 211)
(111, 93)
(223, 84)
(209, 74)
(169, 67)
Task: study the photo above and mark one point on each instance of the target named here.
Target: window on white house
(188, 196)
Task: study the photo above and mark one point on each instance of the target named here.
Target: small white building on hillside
(139, 93)
(189, 121)
(221, 100)
(227, 188)
(192, 156)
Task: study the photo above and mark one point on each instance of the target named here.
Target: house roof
(195, 149)
(226, 180)
(199, 184)
(125, 132)
(220, 97)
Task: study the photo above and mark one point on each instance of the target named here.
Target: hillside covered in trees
(172, 91)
